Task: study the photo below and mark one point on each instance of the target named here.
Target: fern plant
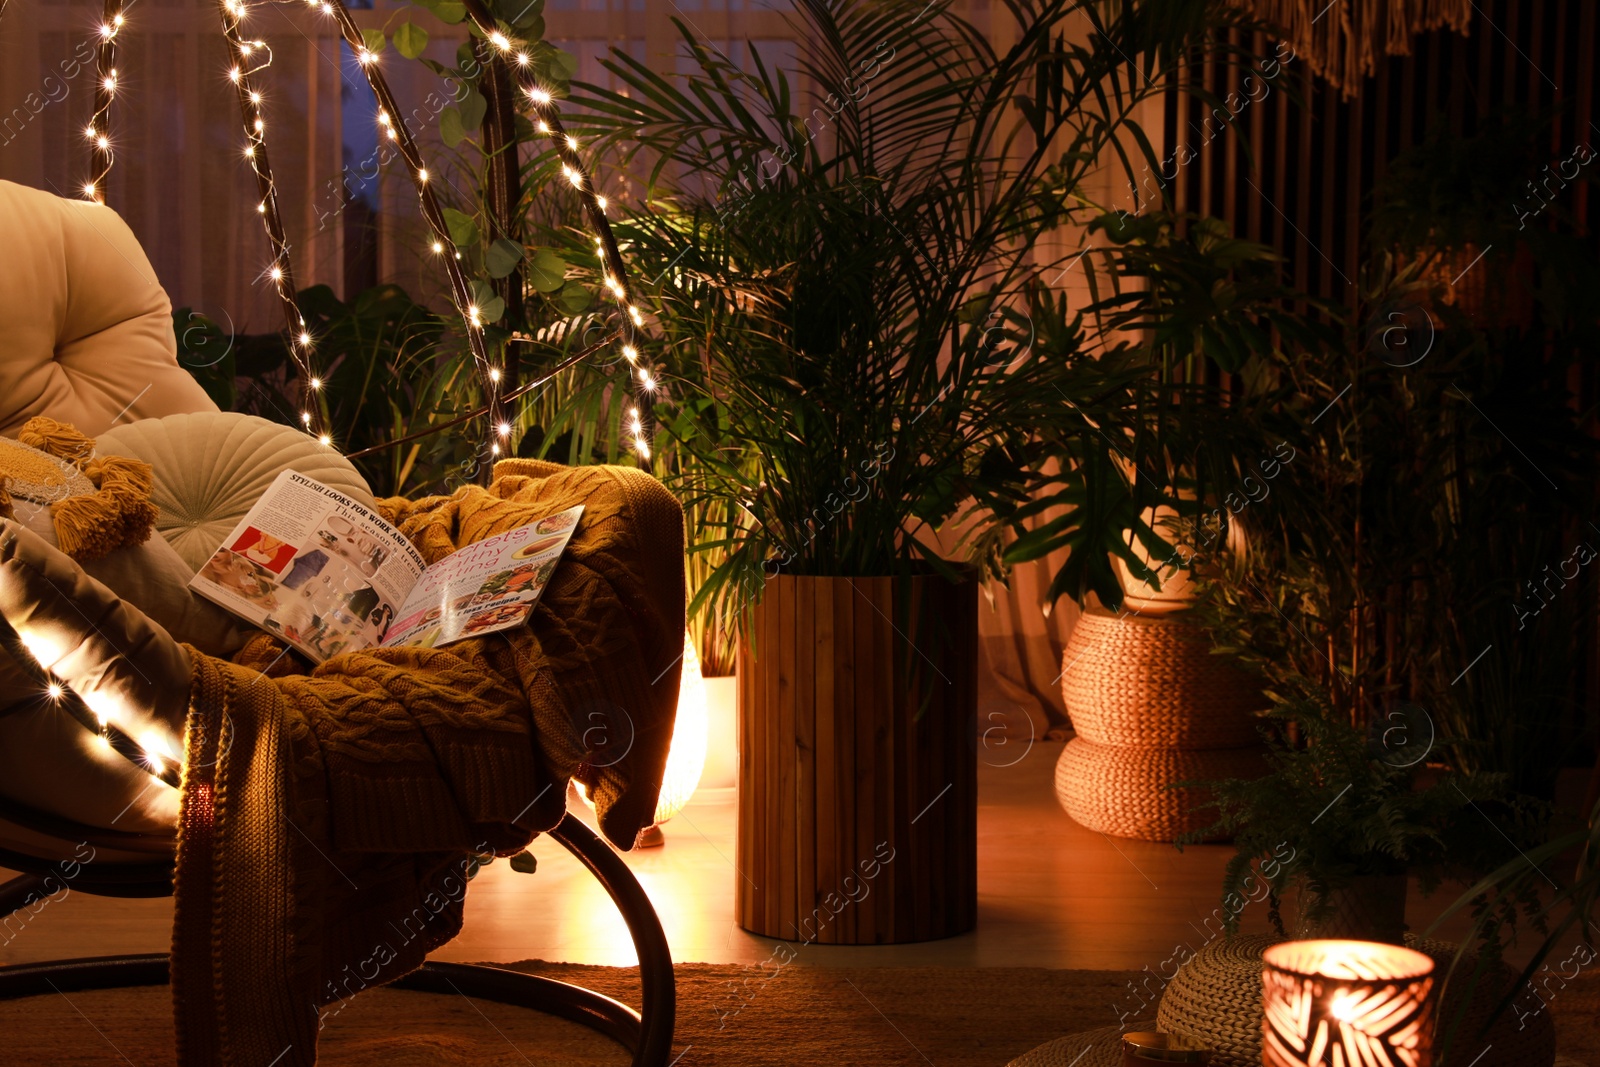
(1340, 803)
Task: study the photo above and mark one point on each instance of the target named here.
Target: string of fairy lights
(250, 57)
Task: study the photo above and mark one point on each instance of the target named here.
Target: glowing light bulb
(260, 125)
(316, 383)
(261, 208)
(88, 189)
(325, 440)
(255, 98)
(106, 708)
(638, 319)
(277, 274)
(156, 748)
(246, 48)
(54, 690)
(117, 22)
(383, 118)
(106, 31)
(102, 742)
(544, 127)
(305, 417)
(305, 340)
(601, 201)
(90, 132)
(640, 447)
(572, 143)
(494, 450)
(102, 142)
(250, 152)
(522, 59)
(438, 247)
(631, 352)
(539, 96)
(472, 313)
(110, 84)
(575, 178)
(327, 9)
(234, 75)
(504, 429)
(422, 175)
(367, 57)
(393, 136)
(499, 41)
(646, 381)
(494, 374)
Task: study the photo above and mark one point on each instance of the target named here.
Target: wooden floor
(1051, 894)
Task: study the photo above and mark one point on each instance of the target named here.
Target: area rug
(763, 1017)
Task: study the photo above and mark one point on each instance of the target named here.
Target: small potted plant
(1344, 818)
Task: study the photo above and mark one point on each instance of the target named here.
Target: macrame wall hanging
(509, 62)
(1343, 40)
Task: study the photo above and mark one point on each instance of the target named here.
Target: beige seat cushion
(85, 327)
(211, 467)
(122, 664)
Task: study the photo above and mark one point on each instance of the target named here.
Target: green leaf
(463, 227)
(451, 130)
(524, 862)
(374, 40)
(450, 11)
(503, 257)
(575, 298)
(491, 310)
(473, 108)
(547, 272)
(567, 62)
(410, 39)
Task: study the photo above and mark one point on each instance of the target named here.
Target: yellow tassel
(5, 499)
(119, 515)
(57, 438)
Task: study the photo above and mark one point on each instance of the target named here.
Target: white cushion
(85, 326)
(211, 467)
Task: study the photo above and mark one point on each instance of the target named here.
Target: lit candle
(1346, 1004)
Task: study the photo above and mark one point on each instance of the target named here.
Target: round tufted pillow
(211, 467)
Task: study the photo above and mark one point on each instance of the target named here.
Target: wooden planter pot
(858, 791)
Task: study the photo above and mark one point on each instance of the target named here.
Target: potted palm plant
(863, 347)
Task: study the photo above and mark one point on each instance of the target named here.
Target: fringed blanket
(330, 821)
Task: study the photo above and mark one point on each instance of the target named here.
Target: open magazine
(327, 575)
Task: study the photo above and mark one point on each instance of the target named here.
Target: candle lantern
(1346, 1004)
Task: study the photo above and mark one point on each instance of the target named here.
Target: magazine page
(488, 586)
(314, 567)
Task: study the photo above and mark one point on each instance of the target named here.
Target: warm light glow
(498, 39)
(494, 374)
(325, 440)
(494, 450)
(572, 143)
(539, 96)
(638, 319)
(504, 429)
(544, 127)
(522, 59)
(88, 189)
(102, 142)
(234, 75)
(572, 176)
(367, 57)
(438, 247)
(316, 383)
(157, 748)
(90, 132)
(106, 708)
(631, 352)
(255, 98)
(646, 381)
(54, 690)
(686, 758)
(277, 274)
(1346, 1004)
(44, 649)
(422, 175)
(601, 201)
(261, 208)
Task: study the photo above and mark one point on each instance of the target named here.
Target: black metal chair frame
(647, 1033)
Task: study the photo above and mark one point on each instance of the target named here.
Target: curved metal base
(648, 1035)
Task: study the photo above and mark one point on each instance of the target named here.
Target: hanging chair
(42, 832)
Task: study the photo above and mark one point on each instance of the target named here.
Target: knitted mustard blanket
(329, 821)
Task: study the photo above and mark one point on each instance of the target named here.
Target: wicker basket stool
(1152, 707)
(1216, 997)
(1122, 789)
(1091, 1048)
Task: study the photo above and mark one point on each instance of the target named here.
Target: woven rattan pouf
(1152, 706)
(1216, 997)
(1092, 1048)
